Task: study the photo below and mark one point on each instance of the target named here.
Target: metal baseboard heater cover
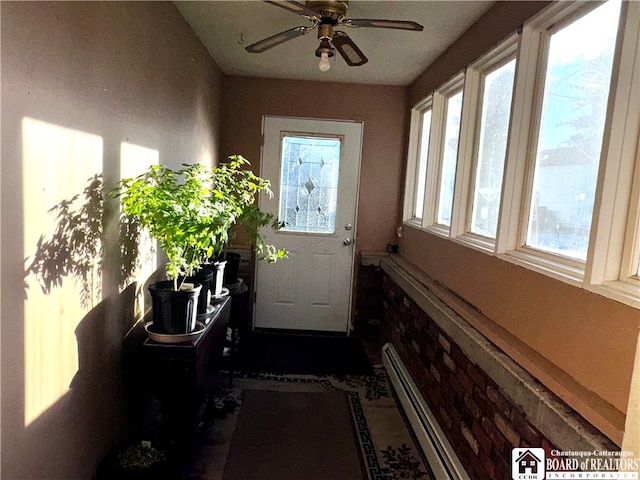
(439, 453)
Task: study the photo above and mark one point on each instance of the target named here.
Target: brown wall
(382, 109)
(120, 72)
(590, 338)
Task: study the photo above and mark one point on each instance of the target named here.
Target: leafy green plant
(191, 211)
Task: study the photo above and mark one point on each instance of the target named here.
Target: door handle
(347, 241)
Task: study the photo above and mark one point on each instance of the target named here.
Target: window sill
(477, 242)
(622, 292)
(569, 272)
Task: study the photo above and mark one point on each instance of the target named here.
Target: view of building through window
(422, 166)
(449, 157)
(569, 142)
(494, 127)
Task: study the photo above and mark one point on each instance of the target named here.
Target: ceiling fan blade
(295, 7)
(348, 50)
(277, 39)
(370, 22)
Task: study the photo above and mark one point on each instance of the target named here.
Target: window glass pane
(571, 128)
(494, 127)
(422, 163)
(450, 153)
(309, 184)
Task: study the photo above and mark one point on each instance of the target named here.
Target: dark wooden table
(182, 376)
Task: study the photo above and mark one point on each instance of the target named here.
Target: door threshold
(305, 333)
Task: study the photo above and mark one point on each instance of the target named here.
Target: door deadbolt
(347, 241)
(348, 226)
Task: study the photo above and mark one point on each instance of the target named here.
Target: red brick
(477, 375)
(459, 357)
(483, 403)
(465, 381)
(472, 407)
(435, 397)
(501, 463)
(478, 468)
(507, 430)
(448, 394)
(445, 419)
(548, 446)
(517, 419)
(499, 402)
(435, 374)
(532, 436)
(458, 442)
(445, 343)
(456, 386)
(455, 414)
(493, 433)
(446, 359)
(481, 437)
(470, 438)
(489, 467)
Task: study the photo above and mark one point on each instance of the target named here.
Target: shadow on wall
(83, 392)
(75, 249)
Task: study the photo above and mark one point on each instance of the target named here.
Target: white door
(314, 168)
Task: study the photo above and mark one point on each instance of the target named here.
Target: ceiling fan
(325, 15)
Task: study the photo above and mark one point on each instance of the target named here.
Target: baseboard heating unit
(443, 460)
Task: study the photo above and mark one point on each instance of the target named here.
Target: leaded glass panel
(309, 184)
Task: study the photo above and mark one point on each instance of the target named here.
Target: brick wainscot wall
(481, 420)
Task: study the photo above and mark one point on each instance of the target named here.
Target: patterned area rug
(388, 450)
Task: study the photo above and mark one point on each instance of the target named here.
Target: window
(417, 169)
(449, 157)
(422, 163)
(497, 88)
(309, 182)
(569, 143)
(538, 161)
(613, 259)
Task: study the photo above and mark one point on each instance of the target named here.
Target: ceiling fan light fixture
(325, 51)
(324, 63)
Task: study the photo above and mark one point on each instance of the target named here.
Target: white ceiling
(396, 57)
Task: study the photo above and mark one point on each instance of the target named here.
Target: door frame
(354, 236)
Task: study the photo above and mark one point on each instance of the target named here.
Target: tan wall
(382, 109)
(590, 338)
(110, 72)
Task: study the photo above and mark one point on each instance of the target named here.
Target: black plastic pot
(232, 270)
(174, 312)
(205, 278)
(218, 269)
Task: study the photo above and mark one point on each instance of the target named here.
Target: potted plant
(191, 212)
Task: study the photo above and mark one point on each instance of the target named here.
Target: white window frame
(613, 256)
(530, 73)
(436, 154)
(470, 142)
(614, 247)
(414, 157)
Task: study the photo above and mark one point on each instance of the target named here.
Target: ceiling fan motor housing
(331, 12)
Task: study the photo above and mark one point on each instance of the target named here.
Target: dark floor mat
(303, 354)
(283, 441)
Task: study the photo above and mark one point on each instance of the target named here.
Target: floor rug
(387, 448)
(293, 435)
(303, 354)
